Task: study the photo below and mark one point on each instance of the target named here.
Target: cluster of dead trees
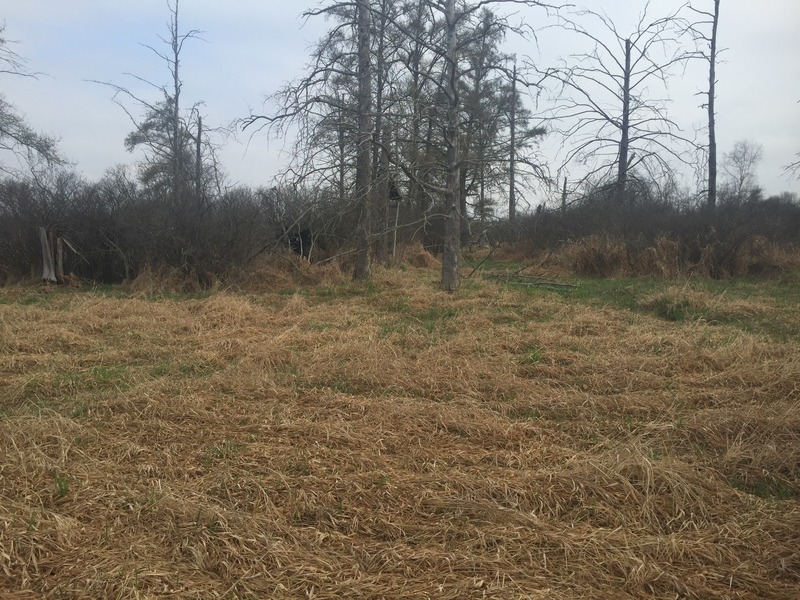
(412, 122)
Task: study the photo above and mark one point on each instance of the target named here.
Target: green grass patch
(222, 451)
(436, 318)
(725, 302)
(62, 485)
(524, 414)
(396, 327)
(343, 291)
(769, 488)
(185, 369)
(111, 376)
(531, 355)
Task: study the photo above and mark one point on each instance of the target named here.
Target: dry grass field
(620, 439)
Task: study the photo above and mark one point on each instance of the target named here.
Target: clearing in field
(620, 439)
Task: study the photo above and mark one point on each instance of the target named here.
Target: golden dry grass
(391, 441)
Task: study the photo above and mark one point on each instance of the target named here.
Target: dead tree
(609, 123)
(362, 269)
(710, 19)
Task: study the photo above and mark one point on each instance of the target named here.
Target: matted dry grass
(391, 441)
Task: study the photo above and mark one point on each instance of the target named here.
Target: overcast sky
(251, 47)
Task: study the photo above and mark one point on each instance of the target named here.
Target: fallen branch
(530, 281)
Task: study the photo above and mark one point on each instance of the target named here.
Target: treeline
(413, 124)
(116, 227)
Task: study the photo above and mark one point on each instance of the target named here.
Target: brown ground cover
(392, 441)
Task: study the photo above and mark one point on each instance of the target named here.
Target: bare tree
(794, 168)
(178, 168)
(364, 160)
(457, 36)
(709, 18)
(612, 123)
(332, 106)
(740, 166)
(424, 112)
(16, 136)
(452, 237)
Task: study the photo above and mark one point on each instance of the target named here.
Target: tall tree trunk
(452, 239)
(362, 269)
(465, 145)
(383, 204)
(482, 193)
(342, 152)
(622, 170)
(176, 114)
(380, 174)
(198, 165)
(512, 159)
(712, 133)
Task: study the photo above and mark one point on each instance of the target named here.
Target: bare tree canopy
(740, 167)
(16, 136)
(441, 114)
(606, 110)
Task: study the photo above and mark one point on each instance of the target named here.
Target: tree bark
(452, 239)
(512, 160)
(622, 170)
(48, 268)
(176, 115)
(198, 165)
(362, 269)
(383, 204)
(380, 164)
(58, 245)
(342, 157)
(712, 133)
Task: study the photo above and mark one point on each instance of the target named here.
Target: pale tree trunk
(465, 155)
(362, 269)
(383, 205)
(52, 256)
(48, 263)
(342, 147)
(452, 239)
(59, 248)
(380, 171)
(712, 133)
(198, 165)
(622, 170)
(512, 161)
(416, 193)
(176, 91)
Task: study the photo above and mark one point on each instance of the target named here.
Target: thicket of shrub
(120, 231)
(653, 236)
